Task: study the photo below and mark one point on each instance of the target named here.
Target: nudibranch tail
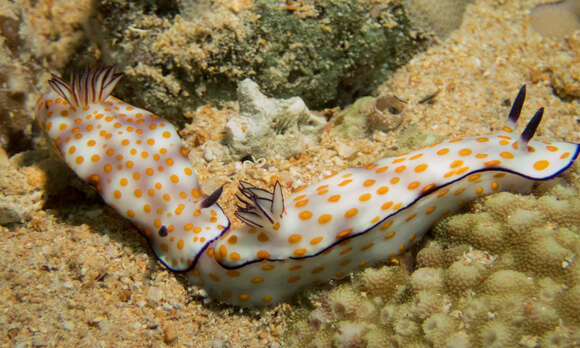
(136, 162)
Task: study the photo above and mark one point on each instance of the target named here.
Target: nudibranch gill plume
(353, 219)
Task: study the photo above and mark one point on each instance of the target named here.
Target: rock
(19, 199)
(557, 20)
(8, 215)
(169, 334)
(266, 127)
(154, 295)
(180, 54)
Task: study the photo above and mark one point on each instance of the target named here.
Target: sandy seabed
(82, 276)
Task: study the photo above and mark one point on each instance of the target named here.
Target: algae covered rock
(182, 54)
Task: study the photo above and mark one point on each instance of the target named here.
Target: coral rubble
(266, 126)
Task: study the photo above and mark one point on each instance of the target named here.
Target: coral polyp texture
(358, 217)
(505, 274)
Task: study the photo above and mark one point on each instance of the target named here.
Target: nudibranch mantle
(355, 218)
(136, 162)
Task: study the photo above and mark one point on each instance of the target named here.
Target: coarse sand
(80, 275)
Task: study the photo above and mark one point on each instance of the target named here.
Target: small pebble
(8, 215)
(169, 334)
(154, 295)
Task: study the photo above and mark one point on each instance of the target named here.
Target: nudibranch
(355, 218)
(136, 162)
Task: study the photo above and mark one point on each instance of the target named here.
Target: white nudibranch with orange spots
(136, 162)
(355, 218)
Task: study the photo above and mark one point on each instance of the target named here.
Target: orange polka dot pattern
(355, 218)
(136, 162)
(365, 215)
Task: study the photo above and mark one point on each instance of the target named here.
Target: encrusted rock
(267, 126)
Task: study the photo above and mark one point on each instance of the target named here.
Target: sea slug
(136, 162)
(353, 219)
